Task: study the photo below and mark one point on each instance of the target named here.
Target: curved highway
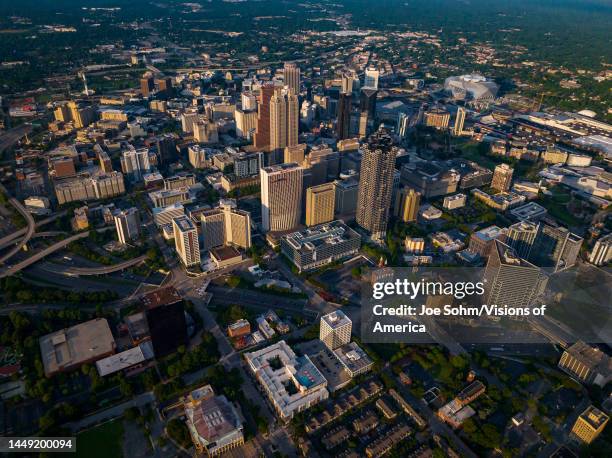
(8, 240)
(48, 234)
(29, 231)
(11, 270)
(102, 270)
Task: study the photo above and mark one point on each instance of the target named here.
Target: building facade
(335, 329)
(127, 223)
(281, 197)
(320, 203)
(376, 185)
(320, 245)
(186, 241)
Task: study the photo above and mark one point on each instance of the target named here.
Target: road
(10, 137)
(11, 270)
(78, 271)
(317, 303)
(436, 425)
(255, 299)
(8, 239)
(29, 231)
(112, 412)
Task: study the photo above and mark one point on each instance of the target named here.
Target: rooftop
(76, 345)
(336, 319)
(324, 234)
(528, 211)
(184, 224)
(163, 296)
(353, 357)
(591, 357)
(488, 233)
(594, 417)
(212, 419)
(508, 256)
(125, 359)
(291, 381)
(224, 253)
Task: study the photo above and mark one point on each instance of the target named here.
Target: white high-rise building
(127, 223)
(371, 78)
(459, 122)
(308, 112)
(200, 156)
(246, 122)
(281, 196)
(403, 121)
(226, 225)
(248, 101)
(335, 329)
(135, 162)
(602, 251)
(186, 241)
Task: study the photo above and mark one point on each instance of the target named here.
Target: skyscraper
(407, 204)
(346, 197)
(510, 280)
(284, 122)
(166, 148)
(295, 153)
(521, 237)
(320, 202)
(278, 122)
(371, 78)
(281, 197)
(105, 161)
(147, 84)
(403, 123)
(376, 184)
(206, 131)
(246, 122)
(164, 86)
(127, 223)
(335, 329)
(226, 225)
(186, 241)
(323, 163)
(602, 251)
(81, 116)
(459, 122)
(348, 81)
(556, 248)
(367, 101)
(291, 76)
(344, 116)
(135, 162)
(502, 177)
(248, 101)
(367, 110)
(262, 133)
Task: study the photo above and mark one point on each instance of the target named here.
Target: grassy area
(474, 152)
(105, 441)
(557, 206)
